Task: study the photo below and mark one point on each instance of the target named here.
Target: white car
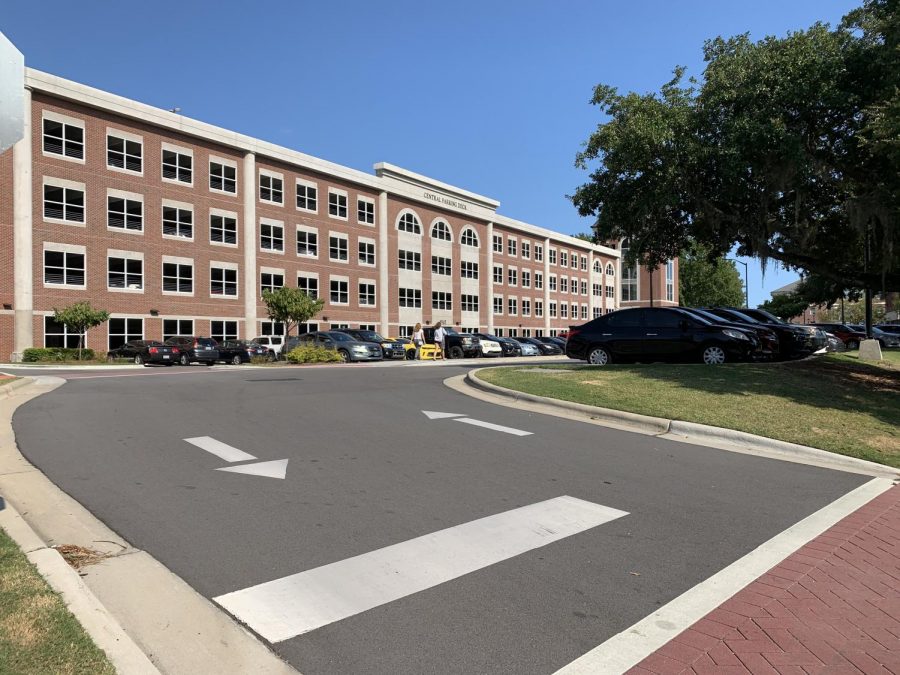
(529, 349)
(490, 348)
(274, 343)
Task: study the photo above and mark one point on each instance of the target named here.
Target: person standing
(418, 340)
(440, 336)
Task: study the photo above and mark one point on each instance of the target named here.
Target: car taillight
(174, 350)
(196, 344)
(572, 333)
(154, 350)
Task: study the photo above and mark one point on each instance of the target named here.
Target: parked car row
(710, 335)
(185, 350)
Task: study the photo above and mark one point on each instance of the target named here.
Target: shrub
(260, 360)
(310, 354)
(43, 354)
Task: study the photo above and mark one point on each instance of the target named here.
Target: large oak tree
(785, 148)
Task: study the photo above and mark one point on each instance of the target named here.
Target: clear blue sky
(488, 96)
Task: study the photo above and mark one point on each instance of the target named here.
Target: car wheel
(210, 363)
(599, 356)
(184, 360)
(344, 354)
(456, 352)
(713, 355)
(236, 361)
(272, 357)
(138, 360)
(410, 354)
(852, 344)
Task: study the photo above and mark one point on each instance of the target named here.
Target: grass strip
(38, 634)
(835, 403)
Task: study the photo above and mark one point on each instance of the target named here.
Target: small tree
(291, 307)
(705, 282)
(79, 318)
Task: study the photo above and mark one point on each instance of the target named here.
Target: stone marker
(870, 350)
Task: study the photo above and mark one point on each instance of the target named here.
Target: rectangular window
(611, 291)
(670, 281)
(498, 243)
(563, 258)
(512, 276)
(539, 308)
(526, 279)
(177, 166)
(310, 285)
(56, 335)
(307, 197)
(223, 330)
(63, 138)
(563, 311)
(538, 280)
(366, 252)
(223, 230)
(410, 297)
(629, 283)
(123, 153)
(512, 306)
(574, 258)
(223, 282)
(469, 270)
(574, 311)
(174, 327)
(64, 268)
(597, 290)
(469, 303)
(124, 214)
(441, 300)
(526, 250)
(526, 307)
(440, 265)
(123, 330)
(584, 287)
(338, 248)
(553, 282)
(564, 284)
(222, 177)
(339, 292)
(597, 312)
(271, 188)
(271, 328)
(552, 310)
(337, 204)
(511, 246)
(498, 304)
(409, 260)
(366, 294)
(271, 237)
(498, 274)
(552, 256)
(64, 203)
(307, 243)
(584, 311)
(270, 281)
(538, 253)
(178, 277)
(177, 222)
(584, 266)
(365, 211)
(127, 273)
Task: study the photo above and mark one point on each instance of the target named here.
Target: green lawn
(38, 634)
(835, 403)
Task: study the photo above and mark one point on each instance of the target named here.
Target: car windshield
(488, 336)
(769, 318)
(206, 342)
(339, 337)
(370, 335)
(709, 316)
(740, 316)
(450, 331)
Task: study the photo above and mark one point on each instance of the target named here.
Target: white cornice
(401, 175)
(556, 237)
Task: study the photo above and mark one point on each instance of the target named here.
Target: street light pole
(746, 283)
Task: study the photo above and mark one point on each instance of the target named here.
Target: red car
(849, 336)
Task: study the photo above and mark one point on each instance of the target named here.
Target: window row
(124, 329)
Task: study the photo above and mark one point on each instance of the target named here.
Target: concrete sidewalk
(833, 606)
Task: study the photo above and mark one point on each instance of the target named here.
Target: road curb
(696, 433)
(103, 629)
(7, 389)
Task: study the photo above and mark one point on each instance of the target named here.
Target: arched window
(597, 267)
(610, 270)
(409, 223)
(469, 238)
(441, 230)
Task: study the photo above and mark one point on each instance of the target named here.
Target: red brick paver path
(831, 607)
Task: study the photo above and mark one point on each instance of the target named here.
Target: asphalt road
(367, 470)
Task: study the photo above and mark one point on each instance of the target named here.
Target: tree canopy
(786, 149)
(705, 282)
(79, 318)
(785, 305)
(291, 306)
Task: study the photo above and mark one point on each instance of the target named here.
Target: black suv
(456, 345)
(794, 342)
(195, 349)
(655, 334)
(390, 350)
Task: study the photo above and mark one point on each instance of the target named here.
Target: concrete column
(591, 301)
(547, 287)
(490, 278)
(251, 278)
(23, 239)
(618, 282)
(384, 291)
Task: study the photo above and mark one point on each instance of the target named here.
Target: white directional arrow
(432, 415)
(277, 468)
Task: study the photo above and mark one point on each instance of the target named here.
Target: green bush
(310, 354)
(44, 354)
(260, 360)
